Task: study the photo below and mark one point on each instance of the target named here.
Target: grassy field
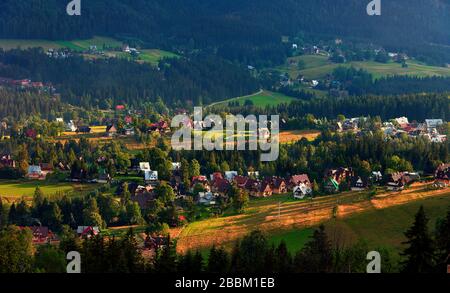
(19, 188)
(260, 99)
(151, 56)
(318, 66)
(381, 220)
(77, 45)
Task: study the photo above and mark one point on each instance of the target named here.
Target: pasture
(261, 99)
(318, 66)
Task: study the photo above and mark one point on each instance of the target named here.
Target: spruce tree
(419, 254)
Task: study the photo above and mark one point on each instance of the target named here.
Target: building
(301, 190)
(111, 131)
(442, 176)
(35, 172)
(151, 176)
(359, 184)
(87, 231)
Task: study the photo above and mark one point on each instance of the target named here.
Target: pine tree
(419, 254)
(443, 242)
(316, 256)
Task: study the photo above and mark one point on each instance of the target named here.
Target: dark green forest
(244, 30)
(187, 81)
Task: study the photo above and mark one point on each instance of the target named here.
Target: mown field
(380, 221)
(318, 66)
(261, 99)
(16, 189)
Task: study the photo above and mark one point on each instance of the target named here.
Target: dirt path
(273, 217)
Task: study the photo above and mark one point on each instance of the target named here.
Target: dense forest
(19, 105)
(108, 82)
(361, 82)
(247, 30)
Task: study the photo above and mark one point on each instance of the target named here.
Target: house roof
(301, 178)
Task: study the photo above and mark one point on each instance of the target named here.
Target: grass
(19, 188)
(386, 227)
(261, 99)
(318, 66)
(153, 56)
(381, 222)
(77, 45)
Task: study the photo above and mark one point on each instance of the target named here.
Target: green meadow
(318, 66)
(19, 188)
(260, 99)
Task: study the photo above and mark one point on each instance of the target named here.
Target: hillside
(240, 29)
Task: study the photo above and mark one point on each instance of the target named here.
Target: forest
(244, 30)
(108, 82)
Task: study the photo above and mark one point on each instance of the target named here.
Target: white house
(151, 176)
(229, 175)
(144, 166)
(71, 126)
(433, 123)
(302, 190)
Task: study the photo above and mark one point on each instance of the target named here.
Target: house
(216, 176)
(151, 176)
(34, 172)
(396, 181)
(221, 186)
(201, 180)
(442, 176)
(206, 198)
(162, 126)
(296, 180)
(264, 190)
(87, 231)
(301, 190)
(41, 234)
(359, 184)
(70, 126)
(229, 175)
(240, 181)
(252, 186)
(120, 107)
(7, 161)
(144, 166)
(277, 184)
(176, 166)
(143, 195)
(334, 178)
(376, 177)
(111, 131)
(46, 169)
(253, 174)
(433, 123)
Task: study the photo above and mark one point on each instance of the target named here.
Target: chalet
(264, 190)
(35, 172)
(334, 178)
(7, 161)
(155, 242)
(151, 176)
(376, 177)
(277, 184)
(41, 234)
(253, 174)
(87, 231)
(70, 126)
(252, 186)
(206, 198)
(442, 176)
(176, 166)
(200, 180)
(396, 181)
(433, 123)
(240, 181)
(162, 127)
(221, 186)
(111, 131)
(143, 195)
(229, 175)
(301, 190)
(296, 180)
(216, 176)
(46, 169)
(358, 183)
(144, 166)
